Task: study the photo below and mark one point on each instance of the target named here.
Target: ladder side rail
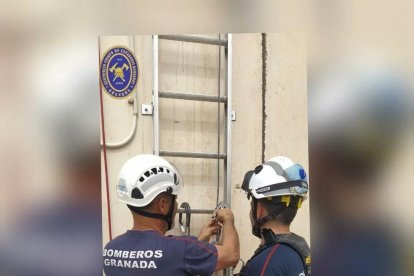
(155, 96)
(228, 109)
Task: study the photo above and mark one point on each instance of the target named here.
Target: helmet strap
(168, 217)
(256, 226)
(258, 223)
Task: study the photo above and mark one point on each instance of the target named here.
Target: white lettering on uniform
(110, 253)
(104, 253)
(131, 264)
(132, 254)
(158, 254)
(125, 254)
(143, 264)
(139, 254)
(302, 274)
(149, 255)
(118, 253)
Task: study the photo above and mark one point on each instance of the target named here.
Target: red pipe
(104, 146)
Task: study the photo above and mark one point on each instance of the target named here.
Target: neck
(142, 223)
(277, 228)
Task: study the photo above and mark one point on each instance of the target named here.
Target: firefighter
(149, 185)
(277, 189)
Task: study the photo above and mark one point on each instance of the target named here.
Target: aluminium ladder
(226, 100)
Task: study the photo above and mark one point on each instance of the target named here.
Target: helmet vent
(136, 193)
(156, 175)
(258, 169)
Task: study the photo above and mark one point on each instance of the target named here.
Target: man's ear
(261, 211)
(163, 205)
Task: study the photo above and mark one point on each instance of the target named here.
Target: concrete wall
(192, 126)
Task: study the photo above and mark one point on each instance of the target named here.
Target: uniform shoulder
(278, 259)
(182, 240)
(131, 236)
(285, 251)
(278, 254)
(117, 239)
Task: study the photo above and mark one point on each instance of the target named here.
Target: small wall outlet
(146, 109)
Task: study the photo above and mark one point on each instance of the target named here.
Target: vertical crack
(264, 87)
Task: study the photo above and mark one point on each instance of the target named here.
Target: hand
(225, 215)
(208, 230)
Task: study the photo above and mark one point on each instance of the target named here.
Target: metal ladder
(226, 100)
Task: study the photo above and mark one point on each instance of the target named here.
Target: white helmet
(145, 176)
(277, 177)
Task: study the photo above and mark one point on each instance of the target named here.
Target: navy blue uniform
(279, 259)
(148, 253)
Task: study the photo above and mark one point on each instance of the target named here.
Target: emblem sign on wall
(119, 72)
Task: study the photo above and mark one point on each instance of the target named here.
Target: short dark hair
(279, 211)
(133, 208)
(147, 207)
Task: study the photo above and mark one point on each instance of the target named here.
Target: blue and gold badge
(119, 72)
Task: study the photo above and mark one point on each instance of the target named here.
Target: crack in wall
(264, 87)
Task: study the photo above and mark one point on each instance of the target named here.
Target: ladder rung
(196, 211)
(195, 39)
(192, 97)
(192, 154)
